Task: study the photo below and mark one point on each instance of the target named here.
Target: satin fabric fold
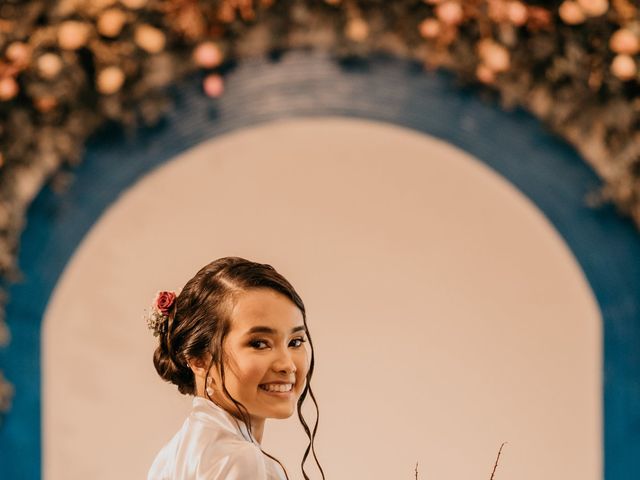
(213, 445)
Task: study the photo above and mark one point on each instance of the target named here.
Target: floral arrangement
(158, 318)
(69, 66)
(493, 472)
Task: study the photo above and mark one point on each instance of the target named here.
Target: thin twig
(498, 458)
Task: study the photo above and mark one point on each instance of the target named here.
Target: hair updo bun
(172, 371)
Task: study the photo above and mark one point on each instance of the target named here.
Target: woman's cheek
(255, 372)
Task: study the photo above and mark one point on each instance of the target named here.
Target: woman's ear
(199, 366)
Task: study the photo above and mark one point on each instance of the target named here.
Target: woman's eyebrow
(262, 329)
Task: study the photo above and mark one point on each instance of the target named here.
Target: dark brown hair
(200, 320)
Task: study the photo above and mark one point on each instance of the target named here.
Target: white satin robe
(213, 445)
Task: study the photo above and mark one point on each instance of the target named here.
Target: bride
(236, 339)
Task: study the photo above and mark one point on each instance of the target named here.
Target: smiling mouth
(279, 388)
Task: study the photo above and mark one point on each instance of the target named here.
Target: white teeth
(277, 387)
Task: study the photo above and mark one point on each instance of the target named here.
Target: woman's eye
(301, 340)
(256, 344)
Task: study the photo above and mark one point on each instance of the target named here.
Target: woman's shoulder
(233, 461)
(230, 460)
(164, 460)
(251, 461)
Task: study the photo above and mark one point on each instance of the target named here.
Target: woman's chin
(283, 412)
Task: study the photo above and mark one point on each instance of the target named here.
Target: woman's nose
(284, 362)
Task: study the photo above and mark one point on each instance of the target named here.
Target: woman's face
(267, 343)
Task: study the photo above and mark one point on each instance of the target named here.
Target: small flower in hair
(164, 301)
(160, 308)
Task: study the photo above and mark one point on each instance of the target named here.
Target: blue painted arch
(514, 144)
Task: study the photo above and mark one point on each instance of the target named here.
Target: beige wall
(447, 313)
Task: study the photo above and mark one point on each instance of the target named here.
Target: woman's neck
(257, 428)
(257, 424)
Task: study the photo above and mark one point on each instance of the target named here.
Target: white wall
(447, 313)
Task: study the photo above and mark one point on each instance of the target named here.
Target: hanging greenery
(69, 66)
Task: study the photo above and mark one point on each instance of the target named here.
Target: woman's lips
(276, 393)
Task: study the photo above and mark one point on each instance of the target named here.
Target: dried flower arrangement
(493, 472)
(68, 66)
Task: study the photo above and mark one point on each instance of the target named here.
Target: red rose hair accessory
(160, 308)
